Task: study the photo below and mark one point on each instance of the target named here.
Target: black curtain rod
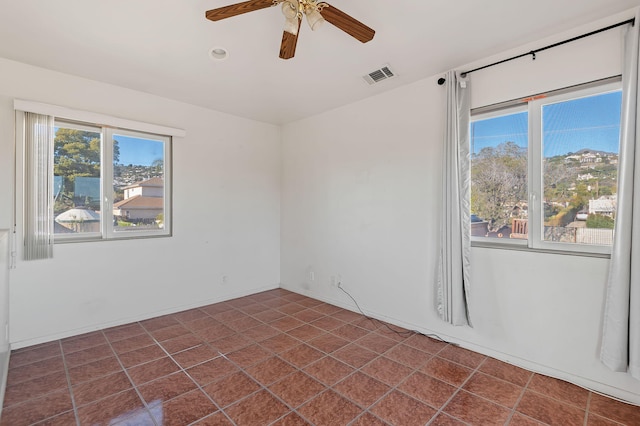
(631, 21)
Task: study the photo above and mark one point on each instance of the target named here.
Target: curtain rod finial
(441, 81)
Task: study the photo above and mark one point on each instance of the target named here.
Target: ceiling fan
(293, 10)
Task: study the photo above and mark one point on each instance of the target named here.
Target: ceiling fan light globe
(289, 10)
(291, 25)
(314, 19)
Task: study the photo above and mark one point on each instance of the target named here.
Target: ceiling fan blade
(289, 42)
(346, 23)
(238, 9)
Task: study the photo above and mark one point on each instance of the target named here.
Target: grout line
(133, 384)
(515, 405)
(66, 373)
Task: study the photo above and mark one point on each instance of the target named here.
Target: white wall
(4, 310)
(226, 212)
(361, 197)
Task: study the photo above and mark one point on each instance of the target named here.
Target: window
(544, 171)
(109, 183)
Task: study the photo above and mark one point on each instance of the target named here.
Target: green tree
(498, 182)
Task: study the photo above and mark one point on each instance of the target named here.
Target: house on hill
(142, 200)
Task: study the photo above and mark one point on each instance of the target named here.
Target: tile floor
(279, 358)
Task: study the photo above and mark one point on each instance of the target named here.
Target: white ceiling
(161, 46)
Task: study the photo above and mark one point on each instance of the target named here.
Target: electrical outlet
(225, 279)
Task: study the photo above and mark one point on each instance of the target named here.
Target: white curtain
(38, 186)
(620, 349)
(455, 234)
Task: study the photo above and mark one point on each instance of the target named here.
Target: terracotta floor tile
(291, 420)
(260, 333)
(614, 410)
(166, 388)
(157, 323)
(496, 390)
(141, 356)
(297, 388)
(446, 420)
(520, 419)
(346, 316)
(308, 315)
(182, 410)
(286, 323)
(400, 409)
(88, 392)
(280, 343)
(328, 342)
(194, 356)
(269, 315)
(305, 333)
(83, 341)
(354, 355)
(113, 409)
(212, 370)
(169, 332)
(376, 342)
(329, 370)
(477, 411)
(350, 332)
(362, 389)
(301, 355)
(34, 370)
(38, 409)
(132, 343)
(269, 358)
(190, 315)
(426, 344)
(408, 356)
(254, 308)
(462, 356)
(181, 343)
(270, 371)
(249, 356)
(447, 371)
(35, 388)
(291, 308)
(427, 389)
(94, 370)
(560, 390)
(231, 388)
(30, 355)
(327, 323)
(216, 419)
(258, 409)
(215, 332)
(152, 370)
(231, 343)
(387, 371)
(329, 408)
(244, 324)
(230, 316)
(504, 371)
(122, 332)
(549, 411)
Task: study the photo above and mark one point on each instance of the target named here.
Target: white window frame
(533, 105)
(107, 125)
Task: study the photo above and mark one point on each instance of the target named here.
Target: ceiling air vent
(378, 75)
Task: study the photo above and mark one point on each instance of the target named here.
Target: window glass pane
(580, 140)
(138, 183)
(499, 206)
(76, 182)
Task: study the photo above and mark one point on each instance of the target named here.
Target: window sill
(522, 247)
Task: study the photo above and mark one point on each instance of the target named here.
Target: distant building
(142, 201)
(605, 205)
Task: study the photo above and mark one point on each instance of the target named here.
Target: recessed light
(218, 53)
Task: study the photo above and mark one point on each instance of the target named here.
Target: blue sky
(139, 152)
(592, 122)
